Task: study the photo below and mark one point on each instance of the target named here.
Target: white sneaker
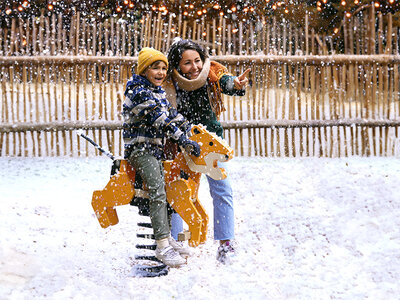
(179, 247)
(170, 257)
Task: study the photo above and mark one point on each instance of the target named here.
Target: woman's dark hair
(176, 50)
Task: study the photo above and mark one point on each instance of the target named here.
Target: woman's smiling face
(191, 64)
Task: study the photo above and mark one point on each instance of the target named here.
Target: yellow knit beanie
(147, 56)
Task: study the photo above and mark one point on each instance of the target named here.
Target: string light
(131, 5)
(185, 13)
(377, 4)
(50, 6)
(343, 3)
(348, 15)
(8, 11)
(216, 6)
(126, 2)
(20, 8)
(191, 6)
(118, 9)
(25, 4)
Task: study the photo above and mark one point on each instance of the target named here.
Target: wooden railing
(304, 100)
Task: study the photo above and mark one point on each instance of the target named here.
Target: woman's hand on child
(242, 80)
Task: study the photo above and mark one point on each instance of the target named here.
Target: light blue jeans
(224, 219)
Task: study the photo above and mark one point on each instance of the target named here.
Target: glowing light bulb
(216, 6)
(118, 9)
(348, 15)
(377, 4)
(20, 8)
(25, 4)
(8, 11)
(50, 6)
(204, 11)
(191, 6)
(343, 3)
(185, 13)
(221, 13)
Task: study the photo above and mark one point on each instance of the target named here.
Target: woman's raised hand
(242, 80)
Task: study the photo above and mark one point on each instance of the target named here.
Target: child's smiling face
(156, 72)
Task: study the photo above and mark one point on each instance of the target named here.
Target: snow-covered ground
(306, 228)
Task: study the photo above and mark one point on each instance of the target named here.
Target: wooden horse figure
(182, 180)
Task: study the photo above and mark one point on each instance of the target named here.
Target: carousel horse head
(213, 150)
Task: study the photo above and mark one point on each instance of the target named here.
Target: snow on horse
(182, 180)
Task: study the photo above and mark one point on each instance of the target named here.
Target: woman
(195, 87)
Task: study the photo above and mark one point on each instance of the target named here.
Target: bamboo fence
(305, 98)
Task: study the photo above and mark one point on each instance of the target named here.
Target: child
(148, 120)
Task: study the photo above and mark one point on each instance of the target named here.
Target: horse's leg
(118, 191)
(179, 196)
(199, 207)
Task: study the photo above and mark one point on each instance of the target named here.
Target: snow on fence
(55, 80)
